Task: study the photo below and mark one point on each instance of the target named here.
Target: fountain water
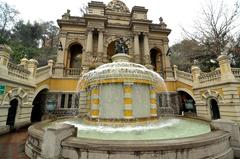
(121, 121)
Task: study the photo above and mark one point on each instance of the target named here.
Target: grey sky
(175, 13)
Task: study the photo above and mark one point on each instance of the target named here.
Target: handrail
(184, 75)
(210, 77)
(236, 72)
(18, 71)
(73, 71)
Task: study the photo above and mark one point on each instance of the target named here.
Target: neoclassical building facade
(28, 92)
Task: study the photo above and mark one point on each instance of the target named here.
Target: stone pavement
(12, 145)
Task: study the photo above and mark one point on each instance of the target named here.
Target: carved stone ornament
(117, 6)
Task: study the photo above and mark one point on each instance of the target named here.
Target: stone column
(225, 68)
(146, 50)
(195, 74)
(89, 47)
(128, 112)
(50, 63)
(59, 67)
(175, 71)
(167, 68)
(153, 102)
(94, 101)
(4, 58)
(32, 67)
(100, 47)
(136, 48)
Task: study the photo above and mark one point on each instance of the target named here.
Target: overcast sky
(175, 13)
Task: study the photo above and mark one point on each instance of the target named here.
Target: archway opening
(39, 103)
(187, 102)
(75, 56)
(111, 50)
(156, 60)
(12, 111)
(214, 109)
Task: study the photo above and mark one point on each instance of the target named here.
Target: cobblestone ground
(12, 145)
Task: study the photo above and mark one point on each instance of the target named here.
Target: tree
(186, 50)
(8, 16)
(214, 29)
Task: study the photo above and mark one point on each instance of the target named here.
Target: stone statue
(120, 46)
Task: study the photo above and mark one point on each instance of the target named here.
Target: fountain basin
(213, 144)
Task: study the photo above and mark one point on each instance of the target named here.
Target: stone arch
(213, 106)
(156, 57)
(187, 100)
(187, 91)
(39, 103)
(39, 89)
(74, 55)
(212, 94)
(15, 93)
(110, 46)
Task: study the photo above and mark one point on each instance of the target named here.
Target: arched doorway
(75, 56)
(39, 103)
(156, 60)
(12, 111)
(214, 109)
(187, 102)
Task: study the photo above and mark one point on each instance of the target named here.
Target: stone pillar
(89, 47)
(24, 62)
(94, 101)
(50, 63)
(100, 47)
(128, 112)
(59, 67)
(4, 58)
(225, 68)
(175, 71)
(136, 48)
(153, 102)
(146, 50)
(195, 74)
(32, 67)
(168, 70)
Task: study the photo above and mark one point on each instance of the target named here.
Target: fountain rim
(135, 145)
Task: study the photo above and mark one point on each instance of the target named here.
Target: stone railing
(184, 75)
(41, 71)
(236, 73)
(18, 71)
(65, 112)
(73, 72)
(210, 77)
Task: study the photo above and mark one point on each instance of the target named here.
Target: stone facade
(87, 42)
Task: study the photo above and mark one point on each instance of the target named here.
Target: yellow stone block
(153, 111)
(127, 100)
(128, 113)
(153, 101)
(127, 89)
(95, 91)
(94, 112)
(152, 92)
(95, 101)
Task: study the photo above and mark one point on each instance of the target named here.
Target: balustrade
(236, 73)
(73, 71)
(18, 71)
(210, 77)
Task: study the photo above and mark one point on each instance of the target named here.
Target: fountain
(122, 121)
